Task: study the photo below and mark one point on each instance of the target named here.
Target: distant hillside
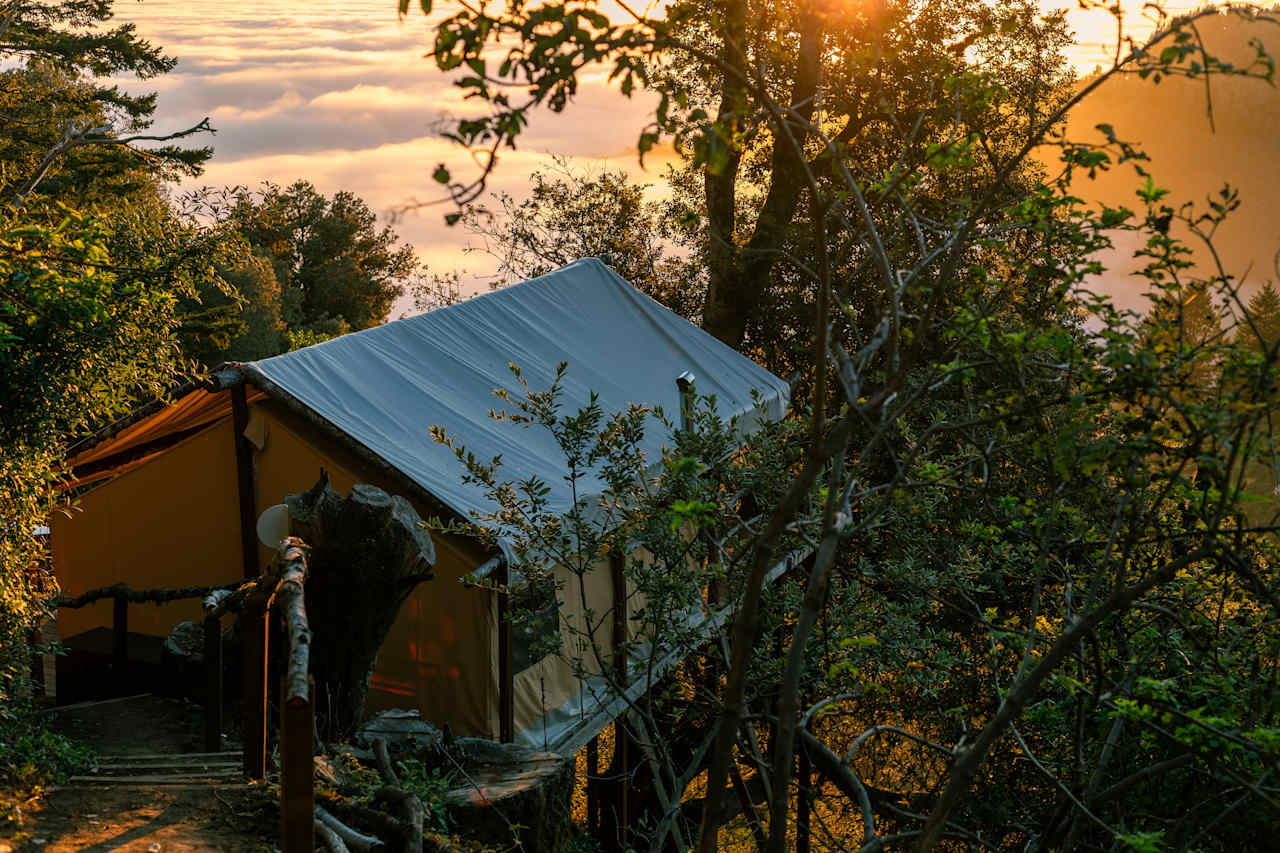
(1171, 122)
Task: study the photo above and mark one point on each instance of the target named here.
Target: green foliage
(428, 785)
(89, 324)
(31, 755)
(1049, 578)
(57, 52)
(305, 268)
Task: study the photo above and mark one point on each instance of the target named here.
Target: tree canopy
(1034, 538)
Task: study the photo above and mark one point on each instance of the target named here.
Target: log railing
(122, 596)
(284, 586)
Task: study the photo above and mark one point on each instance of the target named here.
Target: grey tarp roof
(386, 386)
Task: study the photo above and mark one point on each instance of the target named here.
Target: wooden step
(171, 756)
(114, 767)
(171, 778)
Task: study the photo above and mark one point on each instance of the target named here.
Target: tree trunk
(368, 552)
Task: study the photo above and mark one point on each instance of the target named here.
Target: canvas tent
(169, 497)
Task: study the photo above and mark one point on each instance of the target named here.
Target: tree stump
(368, 552)
(512, 793)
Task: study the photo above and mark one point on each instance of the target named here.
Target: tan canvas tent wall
(168, 498)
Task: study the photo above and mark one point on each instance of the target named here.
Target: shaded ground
(133, 726)
(201, 817)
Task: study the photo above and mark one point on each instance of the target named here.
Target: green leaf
(440, 175)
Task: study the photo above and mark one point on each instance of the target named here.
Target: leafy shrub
(429, 785)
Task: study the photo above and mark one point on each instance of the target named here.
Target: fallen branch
(392, 795)
(353, 839)
(375, 821)
(411, 807)
(329, 838)
(385, 769)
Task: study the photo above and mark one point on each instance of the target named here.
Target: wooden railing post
(297, 707)
(255, 691)
(213, 684)
(297, 788)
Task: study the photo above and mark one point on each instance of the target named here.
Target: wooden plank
(506, 678)
(213, 684)
(244, 483)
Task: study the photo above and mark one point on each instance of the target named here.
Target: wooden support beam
(119, 635)
(506, 678)
(244, 482)
(297, 770)
(213, 684)
(254, 710)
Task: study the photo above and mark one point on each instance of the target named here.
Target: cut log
(509, 790)
(368, 552)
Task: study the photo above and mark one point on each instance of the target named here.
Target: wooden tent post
(255, 691)
(244, 482)
(213, 684)
(506, 682)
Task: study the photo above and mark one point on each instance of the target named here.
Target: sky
(339, 94)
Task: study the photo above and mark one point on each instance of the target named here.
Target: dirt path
(191, 817)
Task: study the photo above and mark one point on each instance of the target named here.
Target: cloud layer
(339, 94)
